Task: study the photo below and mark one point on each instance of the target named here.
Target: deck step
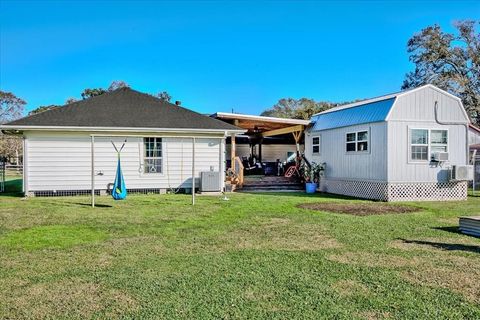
(270, 183)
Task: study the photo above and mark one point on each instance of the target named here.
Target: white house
(397, 147)
(164, 143)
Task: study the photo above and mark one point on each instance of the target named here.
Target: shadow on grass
(445, 246)
(452, 229)
(97, 205)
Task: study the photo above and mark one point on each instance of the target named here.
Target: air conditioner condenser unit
(210, 181)
(461, 173)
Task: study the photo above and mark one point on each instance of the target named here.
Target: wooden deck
(270, 183)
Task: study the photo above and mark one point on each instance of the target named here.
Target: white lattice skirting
(425, 191)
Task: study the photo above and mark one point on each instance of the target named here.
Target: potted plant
(312, 176)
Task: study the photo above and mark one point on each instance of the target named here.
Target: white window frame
(428, 144)
(317, 144)
(356, 141)
(144, 158)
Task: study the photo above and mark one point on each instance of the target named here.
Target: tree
(42, 109)
(303, 108)
(449, 61)
(164, 96)
(11, 107)
(70, 100)
(89, 93)
(117, 84)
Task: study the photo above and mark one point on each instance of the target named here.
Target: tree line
(92, 92)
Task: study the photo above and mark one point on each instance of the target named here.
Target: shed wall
(418, 105)
(341, 165)
(62, 161)
(400, 169)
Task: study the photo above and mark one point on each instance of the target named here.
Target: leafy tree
(165, 96)
(42, 109)
(449, 61)
(302, 108)
(70, 100)
(11, 106)
(117, 84)
(89, 93)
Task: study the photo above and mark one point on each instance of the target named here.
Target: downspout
(454, 123)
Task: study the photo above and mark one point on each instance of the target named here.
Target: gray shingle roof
(123, 108)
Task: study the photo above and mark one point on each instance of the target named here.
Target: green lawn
(255, 256)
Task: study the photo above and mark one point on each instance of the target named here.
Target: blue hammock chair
(119, 190)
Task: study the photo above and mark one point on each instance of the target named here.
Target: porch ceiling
(259, 124)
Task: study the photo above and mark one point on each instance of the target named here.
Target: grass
(255, 256)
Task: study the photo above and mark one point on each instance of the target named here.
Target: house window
(152, 157)
(316, 145)
(357, 141)
(438, 141)
(424, 143)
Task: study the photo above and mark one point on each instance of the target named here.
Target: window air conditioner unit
(440, 156)
(461, 173)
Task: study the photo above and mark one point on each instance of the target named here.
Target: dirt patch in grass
(71, 298)
(465, 281)
(372, 260)
(277, 233)
(374, 315)
(347, 288)
(359, 209)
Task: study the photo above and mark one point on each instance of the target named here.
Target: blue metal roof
(364, 113)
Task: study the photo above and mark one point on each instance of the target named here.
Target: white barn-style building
(164, 143)
(397, 147)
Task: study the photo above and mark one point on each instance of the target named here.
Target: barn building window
(357, 141)
(425, 142)
(316, 145)
(152, 157)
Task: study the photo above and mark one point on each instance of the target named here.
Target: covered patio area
(267, 148)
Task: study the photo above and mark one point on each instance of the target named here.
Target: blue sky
(214, 56)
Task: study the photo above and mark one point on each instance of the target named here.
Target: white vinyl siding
(62, 161)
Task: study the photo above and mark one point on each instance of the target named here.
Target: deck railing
(239, 169)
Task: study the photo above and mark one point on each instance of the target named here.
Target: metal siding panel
(419, 105)
(361, 166)
(399, 168)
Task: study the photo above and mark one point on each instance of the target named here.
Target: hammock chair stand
(92, 149)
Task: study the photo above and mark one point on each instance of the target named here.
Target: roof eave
(239, 116)
(118, 129)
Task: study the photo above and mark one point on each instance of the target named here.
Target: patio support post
(232, 152)
(297, 135)
(92, 147)
(193, 171)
